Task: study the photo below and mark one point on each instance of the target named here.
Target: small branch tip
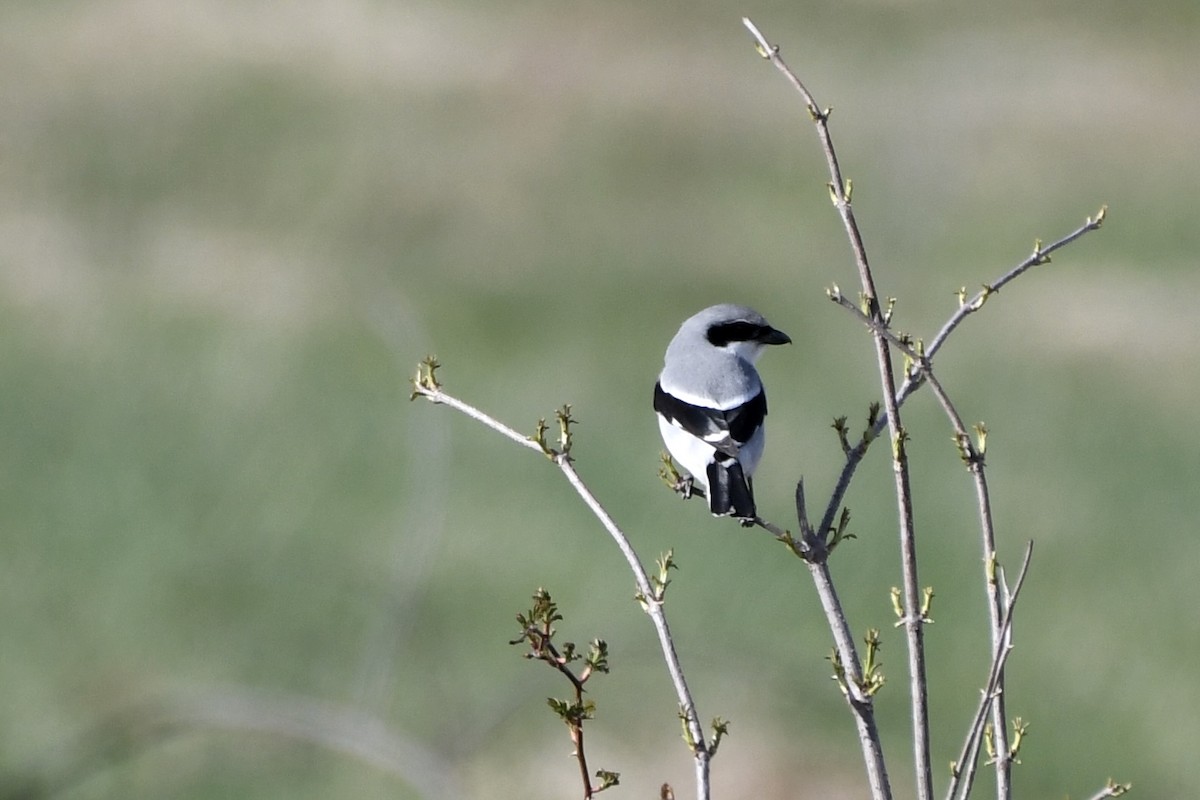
(425, 382)
(764, 48)
(565, 421)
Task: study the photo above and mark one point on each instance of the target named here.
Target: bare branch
(861, 703)
(914, 380)
(849, 671)
(773, 529)
(919, 373)
(429, 388)
(538, 631)
(1112, 789)
(1040, 255)
(840, 191)
(964, 771)
(651, 600)
(877, 326)
(974, 459)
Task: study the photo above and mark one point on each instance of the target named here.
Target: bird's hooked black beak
(772, 336)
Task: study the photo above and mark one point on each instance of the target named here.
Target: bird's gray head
(739, 330)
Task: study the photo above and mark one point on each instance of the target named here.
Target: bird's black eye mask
(741, 331)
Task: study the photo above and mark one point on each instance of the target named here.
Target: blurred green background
(231, 229)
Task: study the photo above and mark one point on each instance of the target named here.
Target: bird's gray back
(696, 372)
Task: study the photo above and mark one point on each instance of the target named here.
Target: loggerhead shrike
(711, 404)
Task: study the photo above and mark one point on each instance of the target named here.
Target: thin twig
(1040, 255)
(921, 373)
(1001, 623)
(914, 622)
(771, 527)
(914, 380)
(861, 703)
(973, 457)
(438, 396)
(877, 326)
(650, 599)
(1113, 789)
(964, 772)
(653, 604)
(815, 552)
(538, 631)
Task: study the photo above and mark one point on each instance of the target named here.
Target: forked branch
(538, 631)
(915, 378)
(840, 191)
(918, 372)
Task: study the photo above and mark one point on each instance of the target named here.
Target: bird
(711, 404)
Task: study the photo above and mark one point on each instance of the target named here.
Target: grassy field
(229, 230)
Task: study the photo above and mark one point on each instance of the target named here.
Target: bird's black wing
(744, 420)
(725, 430)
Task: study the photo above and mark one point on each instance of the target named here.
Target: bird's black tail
(729, 491)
